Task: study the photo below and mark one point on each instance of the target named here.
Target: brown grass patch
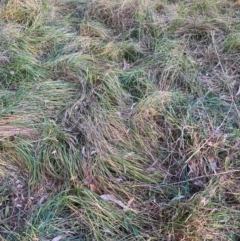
(9, 131)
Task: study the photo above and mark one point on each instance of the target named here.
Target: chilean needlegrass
(119, 120)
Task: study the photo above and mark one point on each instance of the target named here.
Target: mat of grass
(119, 120)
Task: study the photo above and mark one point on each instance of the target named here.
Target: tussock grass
(119, 120)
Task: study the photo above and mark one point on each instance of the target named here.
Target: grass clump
(119, 120)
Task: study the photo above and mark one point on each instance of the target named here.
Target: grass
(119, 120)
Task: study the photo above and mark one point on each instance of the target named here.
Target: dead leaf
(130, 202)
(119, 179)
(192, 168)
(151, 169)
(199, 183)
(84, 152)
(111, 198)
(213, 165)
(42, 199)
(179, 197)
(93, 188)
(118, 114)
(59, 237)
(75, 181)
(238, 93)
(211, 144)
(209, 236)
(128, 155)
(204, 201)
(93, 153)
(126, 65)
(4, 60)
(88, 180)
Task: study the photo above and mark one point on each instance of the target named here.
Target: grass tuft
(119, 120)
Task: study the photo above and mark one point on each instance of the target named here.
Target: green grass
(119, 120)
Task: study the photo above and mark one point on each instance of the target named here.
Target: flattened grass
(119, 120)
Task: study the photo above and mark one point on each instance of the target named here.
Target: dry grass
(119, 120)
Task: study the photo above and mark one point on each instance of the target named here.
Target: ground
(119, 120)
